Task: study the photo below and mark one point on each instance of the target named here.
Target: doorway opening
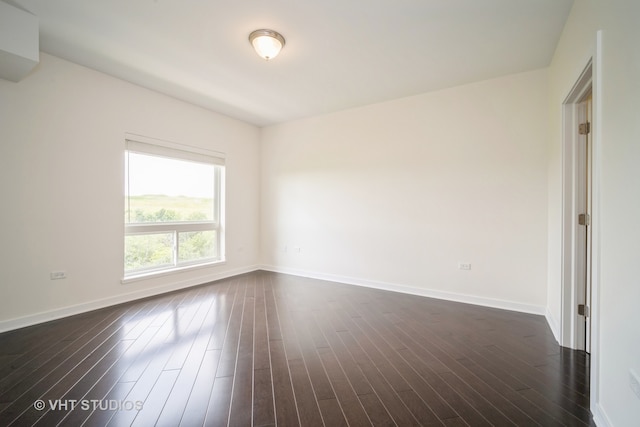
(577, 214)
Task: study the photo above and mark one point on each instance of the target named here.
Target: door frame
(573, 185)
(590, 76)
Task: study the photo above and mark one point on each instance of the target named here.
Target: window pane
(148, 251)
(168, 190)
(196, 245)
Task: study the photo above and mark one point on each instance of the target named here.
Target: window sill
(168, 272)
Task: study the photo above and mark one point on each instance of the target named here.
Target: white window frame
(160, 148)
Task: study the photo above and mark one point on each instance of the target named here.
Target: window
(173, 201)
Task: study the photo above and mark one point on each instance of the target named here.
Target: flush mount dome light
(267, 43)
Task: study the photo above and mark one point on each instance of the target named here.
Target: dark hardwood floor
(267, 349)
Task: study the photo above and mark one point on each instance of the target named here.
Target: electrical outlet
(464, 266)
(634, 382)
(57, 275)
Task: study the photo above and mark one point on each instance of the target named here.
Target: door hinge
(583, 310)
(584, 219)
(584, 128)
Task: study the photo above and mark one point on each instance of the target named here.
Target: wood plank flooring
(266, 349)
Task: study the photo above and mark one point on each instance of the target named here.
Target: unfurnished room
(320, 213)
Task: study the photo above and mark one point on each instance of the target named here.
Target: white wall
(619, 348)
(617, 345)
(62, 134)
(575, 49)
(396, 194)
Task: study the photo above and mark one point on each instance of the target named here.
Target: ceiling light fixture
(267, 43)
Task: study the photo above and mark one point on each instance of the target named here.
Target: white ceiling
(339, 53)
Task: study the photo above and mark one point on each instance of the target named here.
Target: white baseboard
(21, 322)
(553, 324)
(600, 417)
(34, 319)
(431, 293)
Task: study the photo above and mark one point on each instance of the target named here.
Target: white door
(583, 224)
